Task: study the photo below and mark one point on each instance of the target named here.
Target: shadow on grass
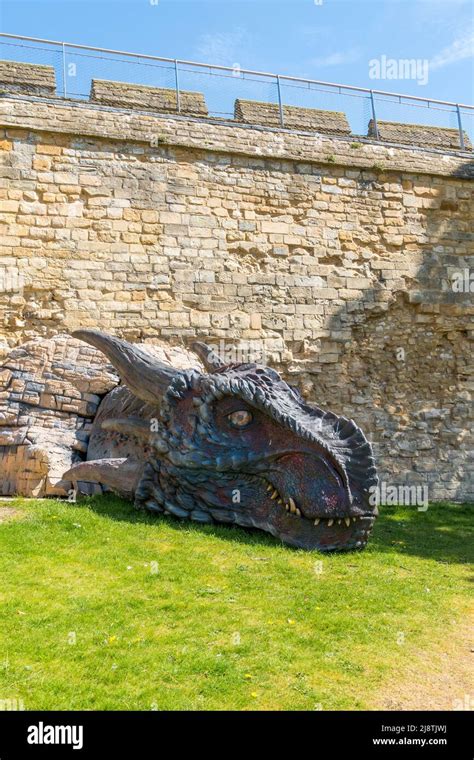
(121, 510)
(443, 533)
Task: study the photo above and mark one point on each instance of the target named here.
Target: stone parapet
(294, 117)
(443, 138)
(27, 78)
(158, 99)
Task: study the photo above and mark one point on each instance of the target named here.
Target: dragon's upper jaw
(306, 513)
(315, 513)
(301, 481)
(288, 518)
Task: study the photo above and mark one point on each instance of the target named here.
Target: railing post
(280, 102)
(374, 115)
(176, 78)
(461, 133)
(64, 70)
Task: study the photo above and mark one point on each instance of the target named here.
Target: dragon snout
(329, 530)
(312, 507)
(310, 486)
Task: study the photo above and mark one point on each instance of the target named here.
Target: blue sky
(333, 41)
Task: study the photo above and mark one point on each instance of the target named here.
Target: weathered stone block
(127, 95)
(294, 117)
(27, 78)
(419, 134)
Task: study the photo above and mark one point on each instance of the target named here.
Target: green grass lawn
(106, 608)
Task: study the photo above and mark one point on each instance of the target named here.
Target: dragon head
(236, 444)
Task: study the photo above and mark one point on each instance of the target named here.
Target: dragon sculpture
(236, 444)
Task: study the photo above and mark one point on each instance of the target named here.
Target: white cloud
(338, 58)
(459, 50)
(223, 48)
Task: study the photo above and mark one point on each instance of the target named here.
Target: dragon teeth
(332, 520)
(291, 508)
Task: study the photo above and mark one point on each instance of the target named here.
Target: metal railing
(76, 65)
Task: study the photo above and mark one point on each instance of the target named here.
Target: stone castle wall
(334, 257)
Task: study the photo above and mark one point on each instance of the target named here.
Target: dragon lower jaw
(325, 535)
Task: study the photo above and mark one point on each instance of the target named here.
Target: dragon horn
(208, 356)
(146, 377)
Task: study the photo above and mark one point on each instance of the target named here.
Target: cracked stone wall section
(50, 392)
(328, 254)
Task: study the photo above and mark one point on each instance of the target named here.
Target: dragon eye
(240, 419)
